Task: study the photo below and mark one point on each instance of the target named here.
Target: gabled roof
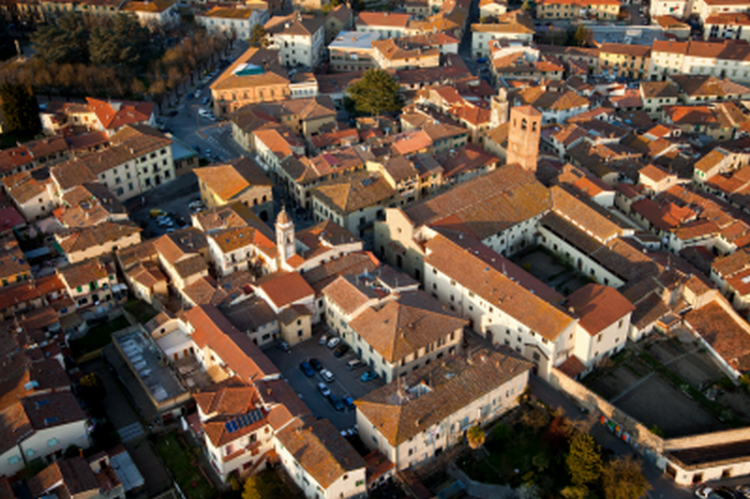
(427, 396)
(285, 288)
(405, 325)
(349, 193)
(598, 307)
(319, 448)
(232, 179)
(65, 479)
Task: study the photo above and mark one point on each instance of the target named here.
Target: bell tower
(523, 136)
(499, 106)
(285, 238)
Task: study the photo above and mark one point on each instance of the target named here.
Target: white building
(237, 20)
(299, 38)
(429, 410)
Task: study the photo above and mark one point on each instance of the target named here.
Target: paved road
(663, 487)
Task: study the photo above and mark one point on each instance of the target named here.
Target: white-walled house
(238, 20)
(320, 461)
(40, 426)
(429, 410)
(603, 323)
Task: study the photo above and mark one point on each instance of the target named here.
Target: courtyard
(672, 386)
(551, 270)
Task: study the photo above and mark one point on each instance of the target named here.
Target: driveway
(345, 382)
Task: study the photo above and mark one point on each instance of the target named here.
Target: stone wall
(705, 439)
(585, 398)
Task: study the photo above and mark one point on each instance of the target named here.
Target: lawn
(98, 336)
(142, 311)
(184, 468)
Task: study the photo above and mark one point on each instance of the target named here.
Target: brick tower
(523, 136)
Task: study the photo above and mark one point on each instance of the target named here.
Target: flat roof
(713, 453)
(144, 358)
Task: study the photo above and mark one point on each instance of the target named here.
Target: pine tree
(584, 459)
(376, 93)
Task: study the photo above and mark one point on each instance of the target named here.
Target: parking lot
(345, 382)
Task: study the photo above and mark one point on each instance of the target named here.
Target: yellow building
(600, 10)
(631, 61)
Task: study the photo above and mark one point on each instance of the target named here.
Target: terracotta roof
(627, 49)
(116, 114)
(572, 209)
(85, 272)
(463, 266)
(487, 204)
(65, 478)
(709, 86)
(389, 19)
(405, 325)
(22, 187)
(572, 367)
(264, 58)
(721, 330)
(147, 6)
(728, 19)
(598, 307)
(53, 409)
(213, 329)
(348, 294)
(77, 239)
(436, 391)
(295, 24)
(232, 179)
(285, 288)
(348, 193)
(224, 12)
(319, 448)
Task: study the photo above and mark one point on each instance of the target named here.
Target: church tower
(523, 136)
(499, 106)
(285, 239)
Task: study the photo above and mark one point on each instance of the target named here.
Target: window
(52, 442)
(13, 459)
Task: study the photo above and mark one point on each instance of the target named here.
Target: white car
(198, 93)
(323, 389)
(323, 340)
(326, 375)
(334, 342)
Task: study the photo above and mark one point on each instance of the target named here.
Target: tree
(376, 93)
(20, 108)
(581, 36)
(264, 485)
(72, 450)
(526, 7)
(584, 460)
(475, 437)
(259, 37)
(622, 478)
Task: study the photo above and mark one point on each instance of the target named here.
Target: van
(156, 212)
(354, 364)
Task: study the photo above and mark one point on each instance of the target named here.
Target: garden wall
(585, 398)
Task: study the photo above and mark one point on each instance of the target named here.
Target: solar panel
(231, 426)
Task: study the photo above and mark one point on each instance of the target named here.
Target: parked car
(348, 401)
(334, 342)
(326, 375)
(323, 340)
(156, 213)
(369, 376)
(198, 93)
(323, 389)
(315, 364)
(283, 345)
(189, 96)
(336, 402)
(307, 369)
(354, 364)
(341, 350)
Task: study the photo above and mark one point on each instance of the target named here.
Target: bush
(501, 432)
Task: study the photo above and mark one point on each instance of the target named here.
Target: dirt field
(657, 402)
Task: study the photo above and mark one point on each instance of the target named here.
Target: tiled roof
(232, 179)
(349, 193)
(285, 288)
(487, 204)
(721, 329)
(625, 49)
(709, 86)
(319, 448)
(405, 325)
(85, 272)
(598, 307)
(234, 347)
(53, 409)
(389, 19)
(74, 476)
(353, 263)
(295, 24)
(147, 6)
(572, 209)
(264, 58)
(463, 266)
(116, 114)
(466, 159)
(348, 295)
(77, 239)
(447, 386)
